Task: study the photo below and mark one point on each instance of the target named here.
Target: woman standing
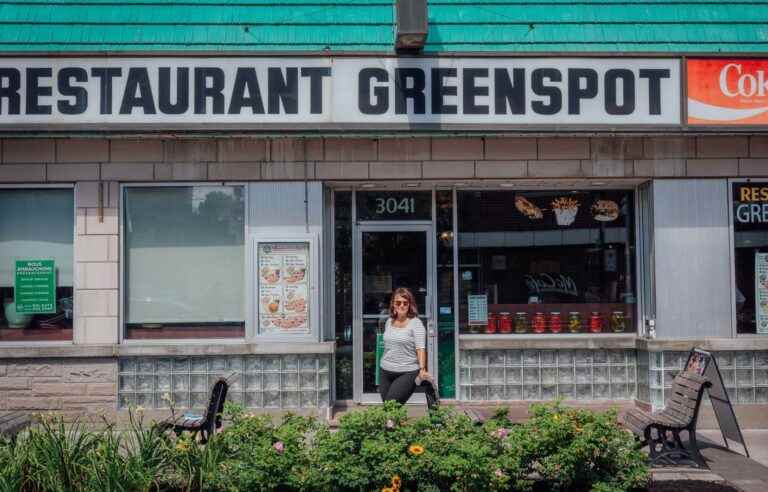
(405, 356)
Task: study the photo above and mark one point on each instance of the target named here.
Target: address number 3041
(395, 205)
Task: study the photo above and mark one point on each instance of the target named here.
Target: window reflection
(546, 261)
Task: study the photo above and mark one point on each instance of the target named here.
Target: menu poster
(478, 309)
(761, 292)
(283, 287)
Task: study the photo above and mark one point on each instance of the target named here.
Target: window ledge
(68, 351)
(559, 341)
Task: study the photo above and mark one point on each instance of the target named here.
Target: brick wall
(83, 160)
(74, 387)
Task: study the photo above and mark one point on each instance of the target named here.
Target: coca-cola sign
(727, 91)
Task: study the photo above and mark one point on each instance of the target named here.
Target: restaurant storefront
(569, 226)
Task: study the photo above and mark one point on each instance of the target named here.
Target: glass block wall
(287, 381)
(496, 375)
(745, 374)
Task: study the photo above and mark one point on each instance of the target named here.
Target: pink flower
(501, 433)
(279, 447)
(390, 424)
(499, 473)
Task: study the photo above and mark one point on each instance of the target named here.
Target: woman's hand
(424, 375)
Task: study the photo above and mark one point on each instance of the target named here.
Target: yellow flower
(182, 446)
(416, 449)
(396, 481)
(387, 489)
(556, 417)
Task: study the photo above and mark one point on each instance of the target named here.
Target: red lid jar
(555, 322)
(596, 323)
(539, 323)
(505, 323)
(493, 322)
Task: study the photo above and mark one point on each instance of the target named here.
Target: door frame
(430, 309)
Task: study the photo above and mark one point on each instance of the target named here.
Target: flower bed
(377, 449)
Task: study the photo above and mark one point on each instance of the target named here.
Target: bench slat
(683, 402)
(694, 385)
(685, 391)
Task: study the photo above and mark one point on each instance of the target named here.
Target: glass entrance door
(390, 256)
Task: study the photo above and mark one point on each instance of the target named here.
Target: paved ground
(729, 466)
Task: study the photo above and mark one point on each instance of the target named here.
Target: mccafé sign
(728, 91)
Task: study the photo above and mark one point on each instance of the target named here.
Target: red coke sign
(728, 91)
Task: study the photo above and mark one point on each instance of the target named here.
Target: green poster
(35, 286)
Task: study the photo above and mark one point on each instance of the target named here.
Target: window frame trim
(75, 279)
(732, 257)
(639, 304)
(122, 339)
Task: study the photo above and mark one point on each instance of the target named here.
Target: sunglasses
(401, 303)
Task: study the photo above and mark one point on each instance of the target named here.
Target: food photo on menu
(283, 291)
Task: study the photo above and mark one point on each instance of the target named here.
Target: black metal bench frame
(207, 424)
(661, 431)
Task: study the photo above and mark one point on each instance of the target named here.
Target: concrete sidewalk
(727, 465)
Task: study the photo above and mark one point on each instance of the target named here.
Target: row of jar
(553, 322)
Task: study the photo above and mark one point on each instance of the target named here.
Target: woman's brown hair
(413, 310)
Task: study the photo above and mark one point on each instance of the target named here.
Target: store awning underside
(507, 26)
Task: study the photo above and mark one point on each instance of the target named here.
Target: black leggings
(398, 386)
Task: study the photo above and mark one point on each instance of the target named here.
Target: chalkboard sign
(703, 363)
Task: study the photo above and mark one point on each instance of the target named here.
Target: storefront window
(546, 262)
(184, 262)
(750, 236)
(343, 290)
(36, 263)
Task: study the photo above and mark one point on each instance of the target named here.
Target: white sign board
(761, 292)
(283, 92)
(478, 310)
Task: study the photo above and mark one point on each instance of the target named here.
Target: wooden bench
(12, 423)
(208, 422)
(661, 431)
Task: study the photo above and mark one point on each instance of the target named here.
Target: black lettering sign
(440, 90)
(553, 93)
(472, 90)
(627, 78)
(66, 89)
(509, 92)
(283, 90)
(654, 76)
(379, 94)
(138, 92)
(203, 91)
(10, 82)
(316, 75)
(576, 92)
(105, 76)
(404, 90)
(246, 82)
(35, 90)
(182, 91)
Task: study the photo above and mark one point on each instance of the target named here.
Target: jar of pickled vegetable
(574, 322)
(539, 323)
(521, 322)
(618, 322)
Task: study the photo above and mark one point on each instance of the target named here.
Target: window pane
(750, 224)
(36, 224)
(547, 261)
(185, 262)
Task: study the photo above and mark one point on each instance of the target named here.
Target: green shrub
(379, 448)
